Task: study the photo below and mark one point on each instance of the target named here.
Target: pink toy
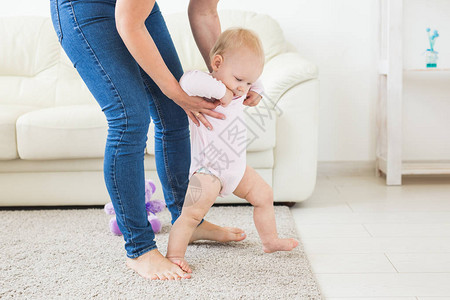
(152, 207)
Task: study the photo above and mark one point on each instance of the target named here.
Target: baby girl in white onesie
(222, 151)
(218, 156)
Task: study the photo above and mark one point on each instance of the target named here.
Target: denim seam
(166, 162)
(124, 111)
(59, 21)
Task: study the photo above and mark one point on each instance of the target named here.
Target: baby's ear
(216, 62)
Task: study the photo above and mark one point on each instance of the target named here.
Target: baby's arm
(257, 87)
(199, 83)
(254, 95)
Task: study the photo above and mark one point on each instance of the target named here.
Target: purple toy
(152, 207)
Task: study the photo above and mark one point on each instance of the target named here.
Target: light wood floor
(366, 240)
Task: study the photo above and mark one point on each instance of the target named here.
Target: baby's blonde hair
(236, 38)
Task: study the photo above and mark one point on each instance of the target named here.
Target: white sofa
(53, 132)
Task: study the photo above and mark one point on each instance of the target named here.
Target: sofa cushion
(64, 132)
(8, 117)
(261, 128)
(259, 160)
(80, 131)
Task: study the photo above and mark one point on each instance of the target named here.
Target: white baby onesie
(222, 150)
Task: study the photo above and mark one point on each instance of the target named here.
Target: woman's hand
(252, 98)
(197, 107)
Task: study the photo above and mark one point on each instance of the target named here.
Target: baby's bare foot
(212, 232)
(181, 262)
(280, 245)
(153, 265)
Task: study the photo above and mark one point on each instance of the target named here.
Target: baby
(218, 165)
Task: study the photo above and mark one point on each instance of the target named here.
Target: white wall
(341, 37)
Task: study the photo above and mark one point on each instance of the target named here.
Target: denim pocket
(54, 12)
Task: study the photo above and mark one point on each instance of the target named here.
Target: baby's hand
(227, 98)
(181, 262)
(252, 98)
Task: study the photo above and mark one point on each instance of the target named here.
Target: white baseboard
(349, 168)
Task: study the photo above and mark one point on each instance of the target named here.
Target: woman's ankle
(149, 254)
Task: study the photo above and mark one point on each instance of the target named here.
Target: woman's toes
(169, 276)
(154, 277)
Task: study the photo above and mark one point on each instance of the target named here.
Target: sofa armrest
(295, 153)
(285, 71)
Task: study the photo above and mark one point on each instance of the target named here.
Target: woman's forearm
(130, 23)
(205, 25)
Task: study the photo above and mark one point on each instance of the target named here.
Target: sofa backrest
(267, 29)
(35, 71)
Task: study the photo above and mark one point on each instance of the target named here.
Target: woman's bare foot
(280, 245)
(212, 232)
(153, 265)
(181, 262)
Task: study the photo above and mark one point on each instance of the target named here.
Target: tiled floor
(366, 240)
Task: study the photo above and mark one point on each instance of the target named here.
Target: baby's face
(238, 70)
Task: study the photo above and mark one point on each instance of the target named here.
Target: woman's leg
(172, 142)
(91, 41)
(87, 32)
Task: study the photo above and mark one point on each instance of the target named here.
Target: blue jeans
(129, 97)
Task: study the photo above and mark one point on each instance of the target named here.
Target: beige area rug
(70, 254)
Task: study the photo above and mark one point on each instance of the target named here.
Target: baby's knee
(262, 196)
(268, 199)
(193, 216)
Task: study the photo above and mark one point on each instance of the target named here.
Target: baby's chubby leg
(201, 193)
(255, 190)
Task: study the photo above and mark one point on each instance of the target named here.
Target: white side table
(389, 108)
